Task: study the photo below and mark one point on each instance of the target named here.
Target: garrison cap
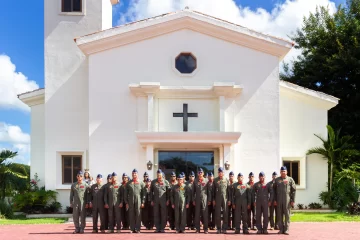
(231, 173)
(220, 169)
(251, 174)
(114, 174)
(99, 176)
(240, 175)
(134, 171)
(283, 168)
(274, 173)
(261, 174)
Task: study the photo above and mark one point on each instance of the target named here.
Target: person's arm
(71, 195)
(292, 190)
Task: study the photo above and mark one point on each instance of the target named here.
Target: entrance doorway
(186, 161)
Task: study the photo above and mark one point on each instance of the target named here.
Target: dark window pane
(67, 169)
(76, 5)
(76, 166)
(66, 5)
(295, 172)
(185, 162)
(185, 63)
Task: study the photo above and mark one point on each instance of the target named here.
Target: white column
(150, 112)
(222, 113)
(150, 157)
(227, 157)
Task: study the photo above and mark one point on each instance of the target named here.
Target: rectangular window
(293, 168)
(71, 5)
(71, 165)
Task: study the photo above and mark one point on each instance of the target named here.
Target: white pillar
(150, 157)
(222, 113)
(150, 112)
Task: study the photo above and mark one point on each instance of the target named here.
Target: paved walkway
(298, 231)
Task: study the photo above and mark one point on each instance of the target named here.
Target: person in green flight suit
(284, 194)
(252, 210)
(124, 214)
(200, 196)
(190, 212)
(221, 201)
(180, 199)
(272, 208)
(211, 209)
(106, 213)
(263, 193)
(230, 210)
(160, 200)
(78, 202)
(135, 200)
(148, 211)
(112, 201)
(241, 203)
(95, 201)
(171, 212)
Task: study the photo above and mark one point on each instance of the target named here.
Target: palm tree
(7, 171)
(335, 149)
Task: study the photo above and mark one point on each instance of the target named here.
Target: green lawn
(324, 217)
(21, 219)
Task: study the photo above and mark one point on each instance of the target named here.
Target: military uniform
(221, 202)
(263, 196)
(106, 213)
(96, 199)
(211, 208)
(113, 198)
(230, 210)
(190, 212)
(241, 201)
(180, 197)
(171, 212)
(272, 209)
(78, 195)
(124, 213)
(134, 198)
(159, 190)
(284, 194)
(252, 210)
(200, 197)
(147, 213)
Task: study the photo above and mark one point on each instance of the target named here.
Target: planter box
(312, 211)
(53, 215)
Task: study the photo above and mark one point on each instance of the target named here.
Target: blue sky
(21, 39)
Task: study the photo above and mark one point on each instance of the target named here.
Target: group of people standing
(221, 203)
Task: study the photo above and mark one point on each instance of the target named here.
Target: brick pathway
(298, 231)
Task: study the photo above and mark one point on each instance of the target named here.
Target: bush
(69, 209)
(354, 209)
(300, 206)
(37, 200)
(5, 210)
(343, 194)
(315, 205)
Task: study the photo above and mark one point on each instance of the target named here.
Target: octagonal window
(185, 63)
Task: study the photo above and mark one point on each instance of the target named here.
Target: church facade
(179, 91)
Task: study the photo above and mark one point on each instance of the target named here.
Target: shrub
(315, 205)
(54, 207)
(354, 209)
(344, 194)
(69, 209)
(5, 210)
(300, 206)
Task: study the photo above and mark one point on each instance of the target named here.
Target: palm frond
(318, 150)
(331, 134)
(6, 154)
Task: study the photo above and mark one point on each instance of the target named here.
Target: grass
(21, 219)
(324, 217)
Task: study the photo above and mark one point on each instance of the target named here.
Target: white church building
(179, 91)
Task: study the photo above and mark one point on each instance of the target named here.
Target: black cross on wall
(185, 115)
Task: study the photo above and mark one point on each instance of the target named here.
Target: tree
(329, 63)
(335, 149)
(9, 171)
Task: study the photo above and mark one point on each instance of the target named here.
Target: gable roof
(184, 19)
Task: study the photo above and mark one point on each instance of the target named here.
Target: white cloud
(14, 139)
(281, 21)
(13, 83)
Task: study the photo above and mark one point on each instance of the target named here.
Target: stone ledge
(312, 210)
(53, 215)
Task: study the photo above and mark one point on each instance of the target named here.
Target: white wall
(113, 109)
(66, 83)
(207, 120)
(37, 143)
(299, 121)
